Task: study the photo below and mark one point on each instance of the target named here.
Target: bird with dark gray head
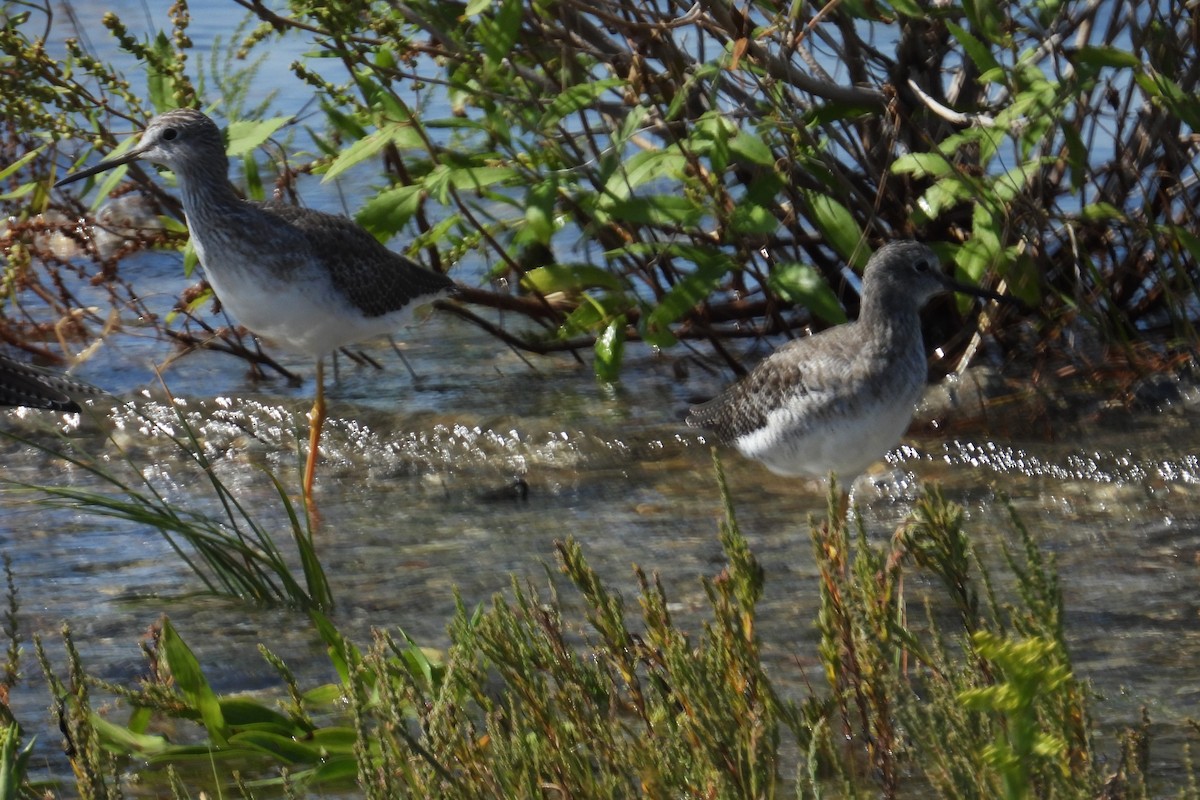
(839, 400)
(310, 281)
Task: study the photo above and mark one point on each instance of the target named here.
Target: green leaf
(246, 136)
(574, 99)
(326, 694)
(1011, 183)
(385, 214)
(6, 172)
(335, 770)
(337, 647)
(985, 17)
(834, 111)
(384, 58)
(986, 232)
(836, 223)
(125, 741)
(201, 754)
(1098, 212)
(569, 278)
(752, 219)
(284, 748)
(803, 284)
(748, 147)
(1104, 57)
(711, 267)
(540, 202)
(14, 763)
(185, 669)
(1077, 155)
(159, 85)
(591, 315)
(441, 179)
(977, 256)
(662, 209)
(21, 191)
(643, 167)
(191, 260)
(348, 125)
(499, 33)
(240, 712)
(402, 134)
(480, 177)
(422, 663)
(942, 195)
(1186, 239)
(437, 183)
(335, 739)
(610, 350)
(858, 9)
(700, 76)
(979, 53)
(922, 165)
(140, 718)
(628, 127)
(251, 178)
(909, 8)
(1023, 278)
(1170, 94)
(710, 137)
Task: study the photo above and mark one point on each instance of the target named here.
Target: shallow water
(407, 518)
(405, 493)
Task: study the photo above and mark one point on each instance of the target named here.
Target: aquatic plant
(234, 554)
(616, 701)
(14, 753)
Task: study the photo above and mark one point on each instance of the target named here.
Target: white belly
(845, 444)
(305, 316)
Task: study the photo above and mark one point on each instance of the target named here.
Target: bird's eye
(169, 134)
(921, 265)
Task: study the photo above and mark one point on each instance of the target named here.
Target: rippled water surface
(412, 500)
(413, 503)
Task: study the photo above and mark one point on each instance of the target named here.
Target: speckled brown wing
(372, 277)
(782, 378)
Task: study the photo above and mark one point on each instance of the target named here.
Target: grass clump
(1003, 713)
(530, 702)
(544, 694)
(233, 554)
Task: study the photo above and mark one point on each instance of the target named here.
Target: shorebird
(309, 281)
(25, 385)
(839, 400)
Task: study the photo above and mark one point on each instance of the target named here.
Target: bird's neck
(889, 321)
(206, 195)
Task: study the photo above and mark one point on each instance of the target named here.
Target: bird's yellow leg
(316, 419)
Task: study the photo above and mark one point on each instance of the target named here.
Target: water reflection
(409, 515)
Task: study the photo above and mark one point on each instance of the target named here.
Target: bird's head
(909, 272)
(181, 140)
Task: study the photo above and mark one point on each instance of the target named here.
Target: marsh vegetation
(605, 176)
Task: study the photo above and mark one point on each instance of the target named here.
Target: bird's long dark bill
(108, 164)
(977, 291)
